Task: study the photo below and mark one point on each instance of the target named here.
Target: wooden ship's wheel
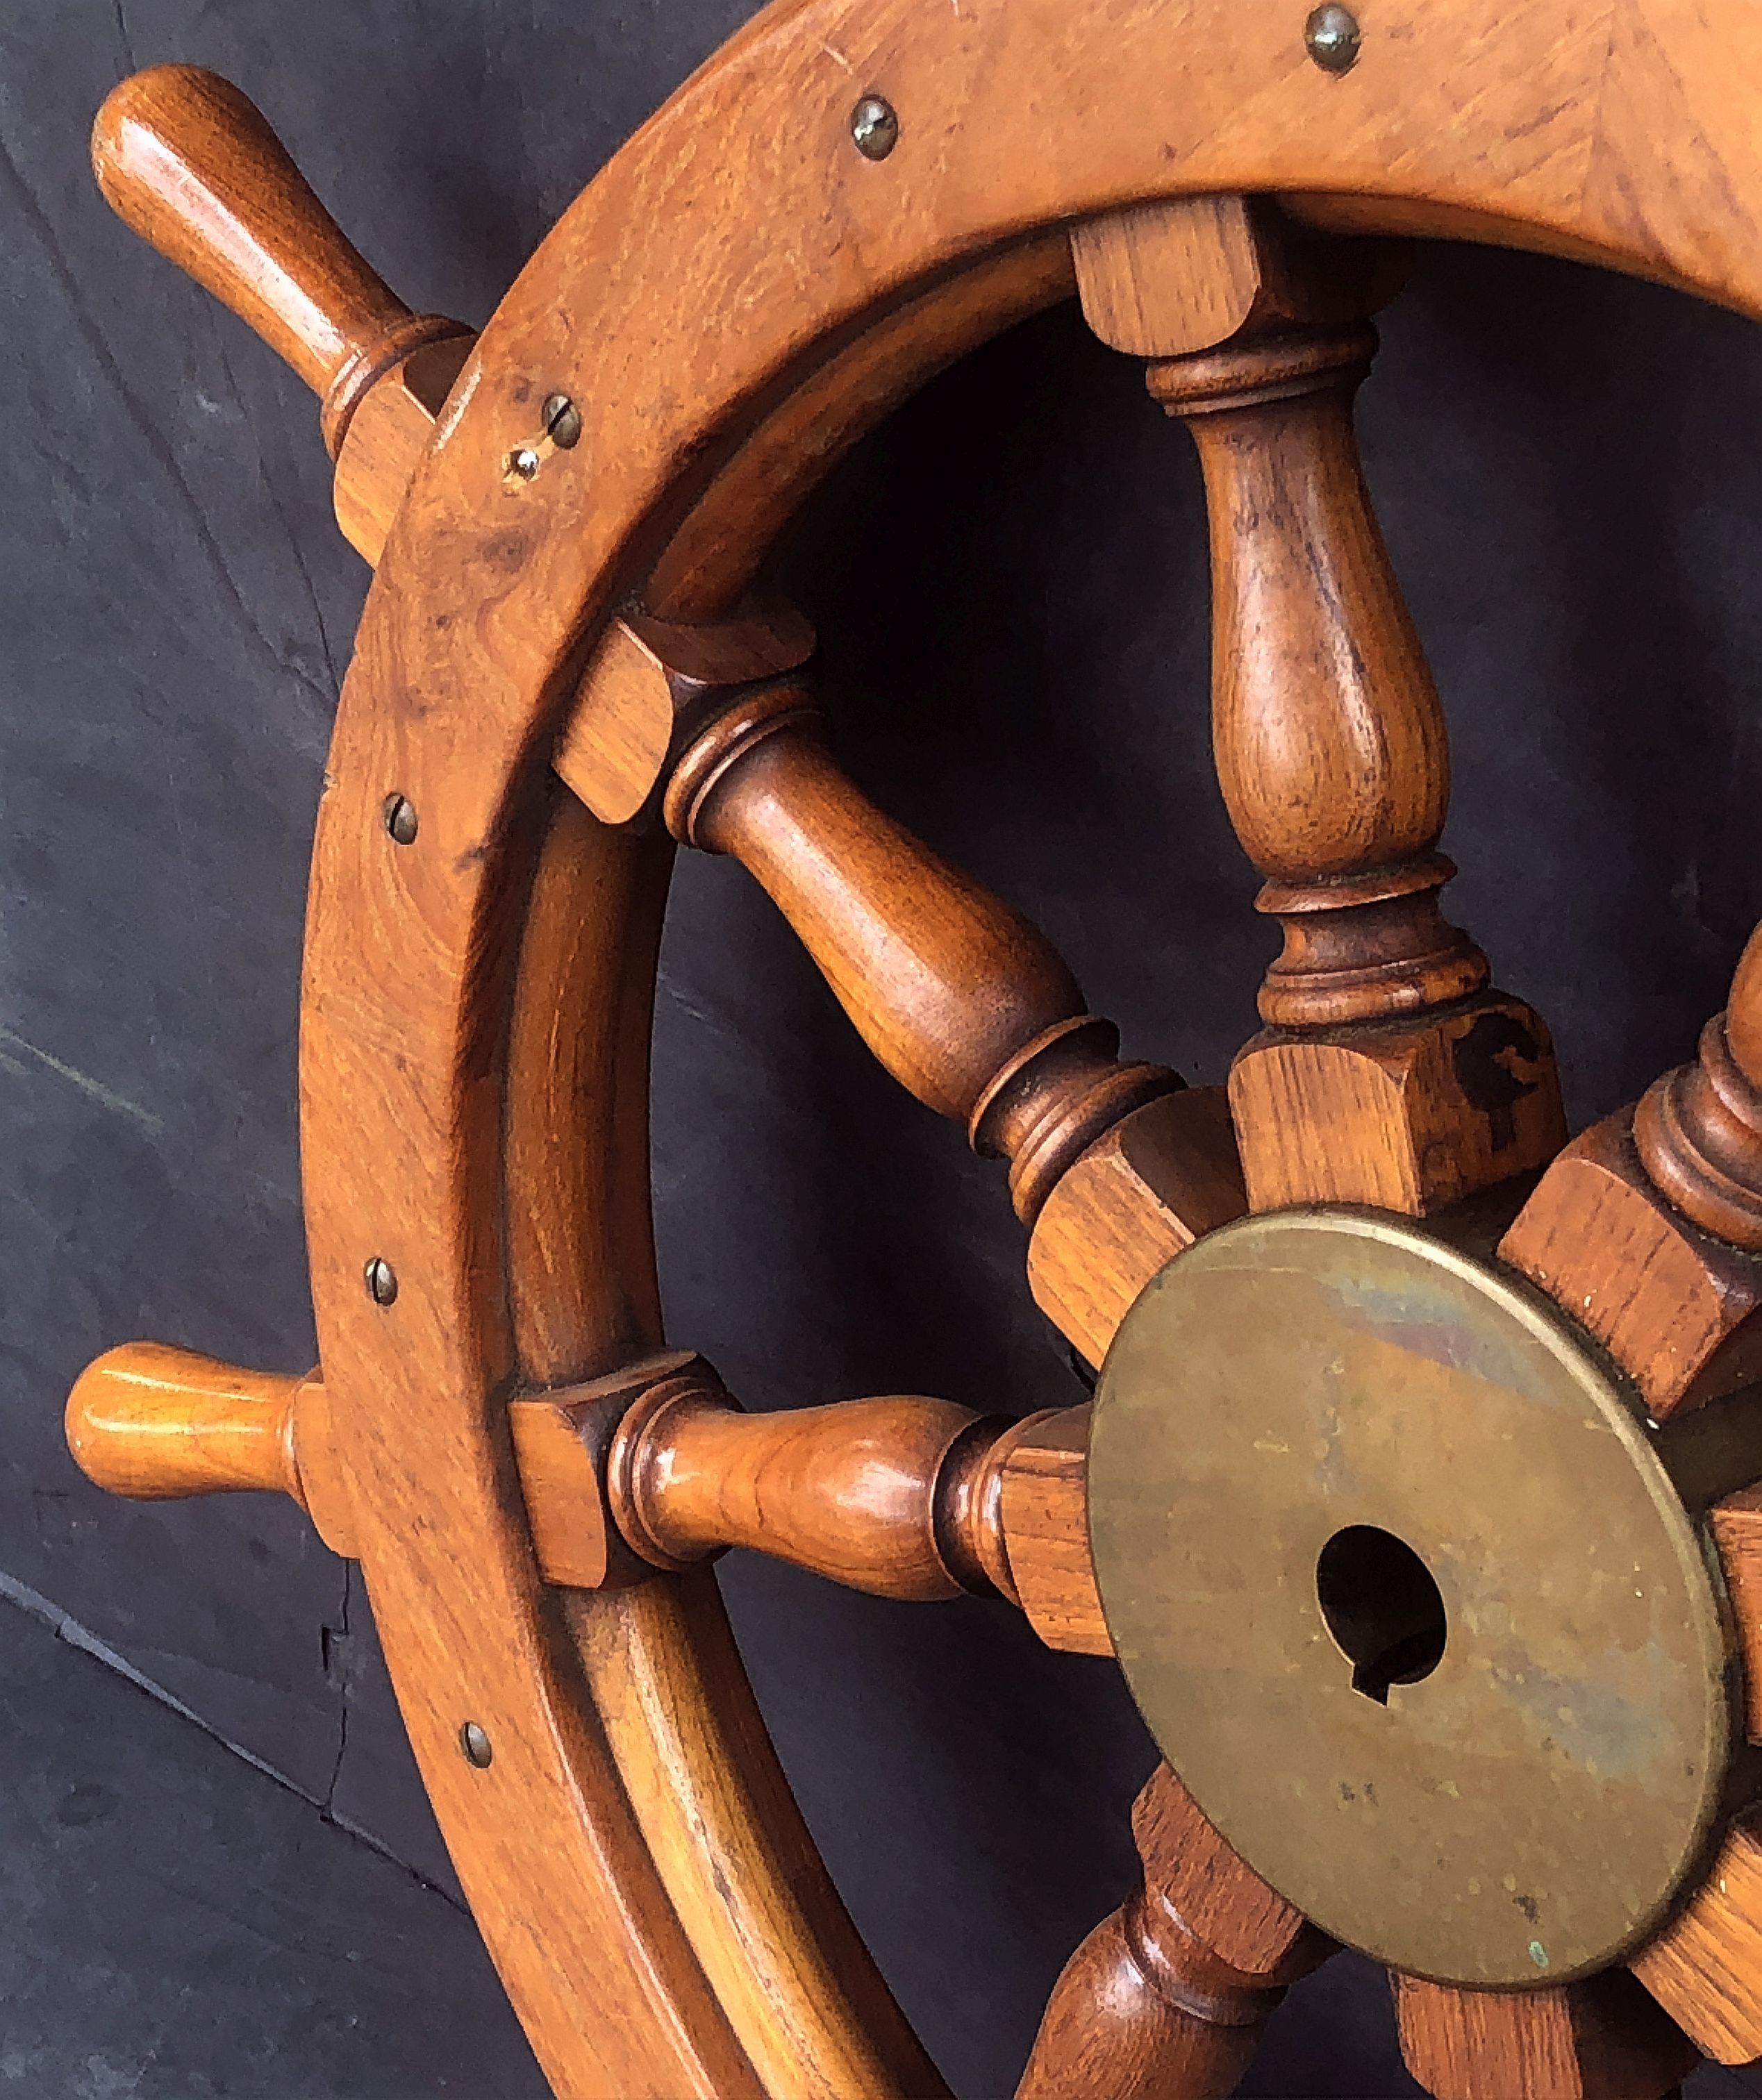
(1414, 1498)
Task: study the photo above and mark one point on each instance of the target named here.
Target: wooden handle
(153, 1423)
(188, 160)
(885, 1495)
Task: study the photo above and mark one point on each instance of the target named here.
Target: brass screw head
(382, 1281)
(874, 127)
(475, 1746)
(400, 819)
(563, 422)
(1332, 38)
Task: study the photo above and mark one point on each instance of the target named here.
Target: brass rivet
(874, 127)
(1332, 38)
(401, 819)
(563, 422)
(476, 1746)
(382, 1281)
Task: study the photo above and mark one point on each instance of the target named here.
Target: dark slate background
(238, 1889)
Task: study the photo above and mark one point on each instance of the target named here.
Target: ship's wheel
(1415, 1497)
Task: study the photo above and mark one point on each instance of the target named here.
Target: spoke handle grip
(153, 1423)
(189, 163)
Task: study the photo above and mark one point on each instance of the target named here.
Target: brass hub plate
(1405, 1593)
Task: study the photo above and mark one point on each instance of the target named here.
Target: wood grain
(1680, 1311)
(859, 1492)
(1145, 1190)
(188, 162)
(1160, 279)
(391, 428)
(963, 1002)
(688, 1944)
(1043, 1515)
(1603, 2039)
(152, 1423)
(1705, 1969)
(1409, 1117)
(1152, 2006)
(1329, 741)
(1736, 1525)
(1698, 1131)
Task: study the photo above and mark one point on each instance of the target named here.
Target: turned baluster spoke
(1166, 1999)
(1389, 1072)
(1647, 1227)
(655, 1468)
(714, 730)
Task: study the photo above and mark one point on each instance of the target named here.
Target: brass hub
(1405, 1590)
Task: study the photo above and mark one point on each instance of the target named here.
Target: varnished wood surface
(390, 429)
(1603, 2039)
(1705, 1969)
(1149, 1186)
(634, 1981)
(968, 1006)
(653, 1467)
(1043, 1515)
(1698, 1132)
(1681, 1311)
(1330, 740)
(151, 1422)
(188, 162)
(1165, 1999)
(1409, 1117)
(1736, 1525)
(855, 1491)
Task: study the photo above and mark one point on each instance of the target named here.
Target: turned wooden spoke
(1603, 2039)
(1331, 744)
(1647, 1227)
(1166, 1999)
(658, 1913)
(655, 1468)
(967, 1005)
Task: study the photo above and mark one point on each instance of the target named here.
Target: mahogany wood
(1165, 1999)
(188, 162)
(1603, 2039)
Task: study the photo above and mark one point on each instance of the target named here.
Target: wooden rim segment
(481, 948)
(784, 249)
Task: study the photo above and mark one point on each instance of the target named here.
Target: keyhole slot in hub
(1381, 1606)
